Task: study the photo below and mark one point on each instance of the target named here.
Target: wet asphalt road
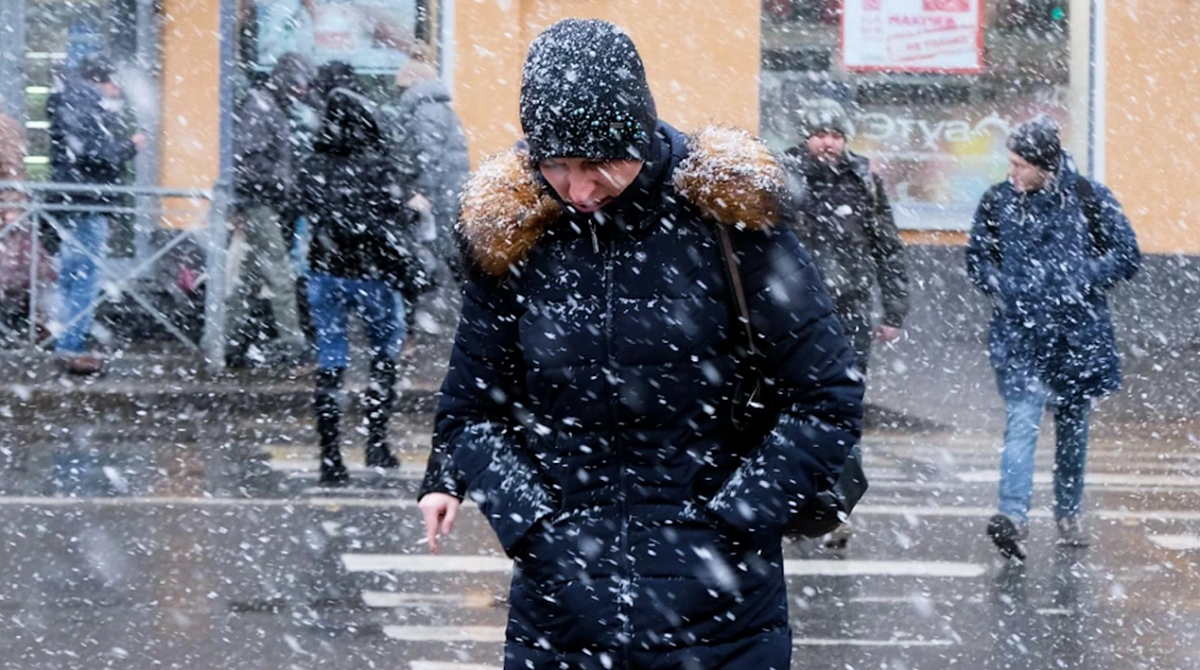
(195, 537)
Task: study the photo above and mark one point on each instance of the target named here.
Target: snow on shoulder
(732, 177)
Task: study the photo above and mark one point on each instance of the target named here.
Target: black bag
(756, 412)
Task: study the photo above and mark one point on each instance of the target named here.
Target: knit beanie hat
(825, 114)
(1037, 141)
(584, 94)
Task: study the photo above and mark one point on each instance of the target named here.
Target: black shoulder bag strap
(830, 507)
(747, 400)
(1091, 211)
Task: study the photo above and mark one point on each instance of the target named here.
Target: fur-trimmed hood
(728, 174)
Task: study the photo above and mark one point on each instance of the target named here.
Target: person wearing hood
(351, 193)
(589, 406)
(845, 221)
(90, 144)
(432, 148)
(1046, 246)
(264, 175)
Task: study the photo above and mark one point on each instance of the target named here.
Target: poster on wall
(371, 35)
(942, 36)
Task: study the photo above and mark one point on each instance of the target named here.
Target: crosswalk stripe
(1091, 479)
(1177, 542)
(423, 563)
(440, 665)
(445, 633)
(389, 600)
(496, 634)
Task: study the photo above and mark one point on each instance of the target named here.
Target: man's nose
(581, 189)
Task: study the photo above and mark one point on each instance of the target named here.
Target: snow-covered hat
(1038, 142)
(584, 94)
(825, 114)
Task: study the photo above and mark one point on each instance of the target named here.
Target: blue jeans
(79, 279)
(382, 311)
(1020, 442)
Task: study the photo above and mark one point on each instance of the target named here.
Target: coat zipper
(625, 592)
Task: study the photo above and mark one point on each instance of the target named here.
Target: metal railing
(174, 216)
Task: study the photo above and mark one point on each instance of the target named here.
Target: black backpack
(1091, 212)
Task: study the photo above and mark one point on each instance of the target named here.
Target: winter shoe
(329, 414)
(1071, 533)
(83, 365)
(1008, 535)
(380, 397)
(839, 538)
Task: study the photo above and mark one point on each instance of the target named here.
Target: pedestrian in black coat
(351, 192)
(587, 408)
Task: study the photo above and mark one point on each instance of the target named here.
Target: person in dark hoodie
(90, 144)
(1046, 246)
(588, 407)
(264, 178)
(351, 193)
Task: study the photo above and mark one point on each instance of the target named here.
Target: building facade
(1120, 76)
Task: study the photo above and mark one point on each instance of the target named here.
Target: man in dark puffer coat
(587, 406)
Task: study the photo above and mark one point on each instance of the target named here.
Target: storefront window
(373, 36)
(933, 87)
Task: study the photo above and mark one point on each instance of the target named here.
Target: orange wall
(701, 58)
(191, 93)
(1153, 122)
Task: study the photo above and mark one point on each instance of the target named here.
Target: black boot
(329, 414)
(381, 395)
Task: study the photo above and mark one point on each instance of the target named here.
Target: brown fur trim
(505, 211)
(732, 177)
(729, 174)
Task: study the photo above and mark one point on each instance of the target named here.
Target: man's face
(589, 185)
(827, 146)
(1025, 176)
(109, 90)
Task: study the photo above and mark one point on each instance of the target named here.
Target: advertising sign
(944, 36)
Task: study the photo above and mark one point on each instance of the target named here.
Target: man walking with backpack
(1046, 246)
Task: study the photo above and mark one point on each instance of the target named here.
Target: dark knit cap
(1037, 141)
(584, 94)
(96, 68)
(825, 114)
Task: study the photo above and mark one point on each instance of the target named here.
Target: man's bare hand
(440, 510)
(888, 333)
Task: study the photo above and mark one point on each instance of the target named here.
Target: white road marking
(441, 665)
(496, 634)
(1177, 542)
(854, 642)
(445, 633)
(390, 600)
(423, 563)
(1054, 611)
(1092, 479)
(332, 504)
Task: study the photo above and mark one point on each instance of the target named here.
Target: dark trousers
(854, 314)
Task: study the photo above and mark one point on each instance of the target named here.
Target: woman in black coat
(353, 197)
(587, 408)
